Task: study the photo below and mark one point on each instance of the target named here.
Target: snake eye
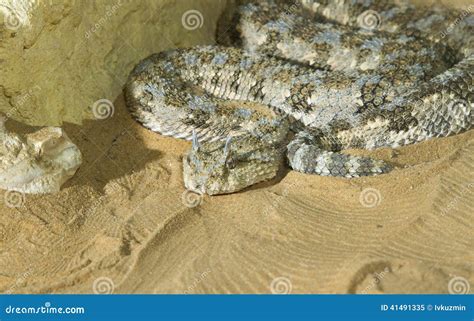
(231, 163)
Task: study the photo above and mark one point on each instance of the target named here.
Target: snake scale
(303, 82)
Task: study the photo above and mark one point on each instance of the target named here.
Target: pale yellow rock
(58, 57)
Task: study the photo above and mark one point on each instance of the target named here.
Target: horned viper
(308, 80)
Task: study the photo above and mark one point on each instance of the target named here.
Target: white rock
(39, 163)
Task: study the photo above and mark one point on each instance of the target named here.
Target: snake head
(228, 166)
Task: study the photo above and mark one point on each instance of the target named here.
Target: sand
(125, 224)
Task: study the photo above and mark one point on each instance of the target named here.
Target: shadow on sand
(111, 148)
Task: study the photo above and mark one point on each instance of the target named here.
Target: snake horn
(227, 147)
(195, 141)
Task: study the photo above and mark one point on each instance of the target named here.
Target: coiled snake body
(309, 80)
